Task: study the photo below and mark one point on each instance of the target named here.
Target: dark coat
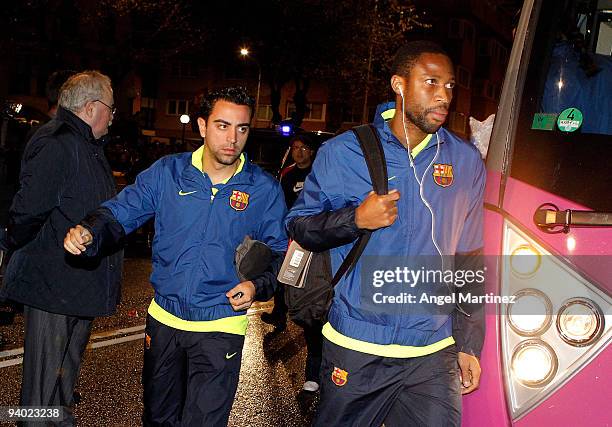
(64, 175)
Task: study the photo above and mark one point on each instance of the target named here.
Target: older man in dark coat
(64, 175)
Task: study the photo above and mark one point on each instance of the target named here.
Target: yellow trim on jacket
(231, 325)
(384, 350)
(389, 114)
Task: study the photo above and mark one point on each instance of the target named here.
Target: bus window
(564, 135)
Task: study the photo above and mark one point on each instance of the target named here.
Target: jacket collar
(79, 126)
(385, 112)
(243, 176)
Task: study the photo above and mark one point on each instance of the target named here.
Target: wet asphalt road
(271, 378)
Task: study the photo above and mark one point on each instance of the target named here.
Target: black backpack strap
(377, 167)
(374, 157)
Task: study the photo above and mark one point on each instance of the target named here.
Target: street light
(184, 120)
(244, 52)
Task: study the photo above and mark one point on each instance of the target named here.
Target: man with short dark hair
(292, 180)
(64, 173)
(204, 204)
(293, 176)
(389, 358)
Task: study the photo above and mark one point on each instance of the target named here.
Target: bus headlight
(530, 314)
(525, 260)
(534, 363)
(580, 322)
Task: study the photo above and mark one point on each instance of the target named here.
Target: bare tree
(369, 33)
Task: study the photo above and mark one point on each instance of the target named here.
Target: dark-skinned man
(384, 361)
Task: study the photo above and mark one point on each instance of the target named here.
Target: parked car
(269, 147)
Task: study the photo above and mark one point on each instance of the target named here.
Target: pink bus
(548, 216)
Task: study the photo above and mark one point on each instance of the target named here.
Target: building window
(354, 114)
(351, 115)
(176, 107)
(237, 69)
(315, 111)
(493, 49)
(184, 69)
(490, 90)
(458, 122)
(501, 55)
(483, 47)
(468, 31)
(454, 30)
(264, 112)
(461, 29)
(147, 112)
(147, 102)
(464, 77)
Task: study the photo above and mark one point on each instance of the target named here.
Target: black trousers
(314, 349)
(53, 350)
(367, 390)
(189, 378)
(280, 307)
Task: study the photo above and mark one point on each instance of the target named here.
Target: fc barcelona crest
(239, 200)
(339, 377)
(443, 174)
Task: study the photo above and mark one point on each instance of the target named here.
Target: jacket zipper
(201, 254)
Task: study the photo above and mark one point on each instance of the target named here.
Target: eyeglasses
(112, 108)
(300, 148)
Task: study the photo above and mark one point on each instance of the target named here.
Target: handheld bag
(251, 258)
(309, 305)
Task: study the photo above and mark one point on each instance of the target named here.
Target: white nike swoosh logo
(186, 193)
(229, 356)
(393, 177)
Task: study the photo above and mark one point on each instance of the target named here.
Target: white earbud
(399, 87)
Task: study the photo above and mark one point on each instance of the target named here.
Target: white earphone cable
(421, 188)
(422, 180)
